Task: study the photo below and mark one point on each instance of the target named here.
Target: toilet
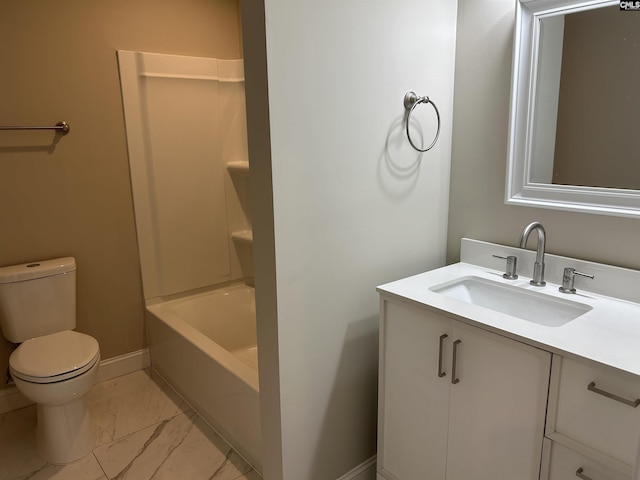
(53, 366)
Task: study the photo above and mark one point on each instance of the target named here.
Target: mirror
(575, 107)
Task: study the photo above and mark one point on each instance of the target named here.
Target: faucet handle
(568, 277)
(512, 262)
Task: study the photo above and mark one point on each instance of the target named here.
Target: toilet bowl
(56, 371)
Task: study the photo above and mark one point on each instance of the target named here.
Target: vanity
(492, 378)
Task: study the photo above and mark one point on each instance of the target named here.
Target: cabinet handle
(632, 403)
(454, 376)
(579, 474)
(440, 372)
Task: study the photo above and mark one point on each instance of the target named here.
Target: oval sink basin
(515, 301)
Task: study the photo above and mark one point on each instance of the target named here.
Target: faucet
(538, 266)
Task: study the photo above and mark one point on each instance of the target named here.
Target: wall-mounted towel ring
(411, 101)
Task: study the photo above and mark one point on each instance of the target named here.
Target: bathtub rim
(161, 308)
(177, 298)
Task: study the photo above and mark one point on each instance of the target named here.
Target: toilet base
(65, 433)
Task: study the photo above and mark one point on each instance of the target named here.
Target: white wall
(477, 210)
(341, 203)
(547, 95)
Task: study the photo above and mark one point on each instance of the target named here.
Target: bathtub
(204, 345)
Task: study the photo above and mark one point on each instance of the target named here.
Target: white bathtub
(204, 345)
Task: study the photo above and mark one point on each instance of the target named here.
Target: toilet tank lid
(33, 270)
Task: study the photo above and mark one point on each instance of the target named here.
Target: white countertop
(609, 334)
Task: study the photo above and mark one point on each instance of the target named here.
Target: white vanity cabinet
(457, 402)
(549, 383)
(593, 421)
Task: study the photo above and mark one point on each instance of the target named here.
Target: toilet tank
(37, 298)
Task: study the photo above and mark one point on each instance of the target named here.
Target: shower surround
(186, 136)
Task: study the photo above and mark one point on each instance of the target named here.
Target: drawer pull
(440, 372)
(454, 376)
(579, 474)
(632, 403)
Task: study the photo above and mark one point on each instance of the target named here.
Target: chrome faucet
(538, 266)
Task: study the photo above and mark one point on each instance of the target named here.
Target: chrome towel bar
(61, 127)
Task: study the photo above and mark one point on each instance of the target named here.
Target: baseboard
(364, 471)
(12, 399)
(123, 364)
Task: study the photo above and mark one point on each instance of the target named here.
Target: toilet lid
(55, 357)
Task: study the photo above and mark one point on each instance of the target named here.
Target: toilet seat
(55, 357)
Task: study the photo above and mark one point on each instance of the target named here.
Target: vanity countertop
(608, 334)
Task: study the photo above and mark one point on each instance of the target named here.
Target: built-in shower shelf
(239, 168)
(243, 236)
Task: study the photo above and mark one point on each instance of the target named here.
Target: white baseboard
(12, 399)
(364, 471)
(123, 364)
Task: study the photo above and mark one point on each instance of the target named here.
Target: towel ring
(411, 101)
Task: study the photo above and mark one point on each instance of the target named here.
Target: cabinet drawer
(566, 464)
(589, 415)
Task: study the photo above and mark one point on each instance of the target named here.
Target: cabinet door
(497, 409)
(413, 409)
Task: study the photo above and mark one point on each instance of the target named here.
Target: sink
(516, 301)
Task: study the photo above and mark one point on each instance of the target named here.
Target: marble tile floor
(145, 431)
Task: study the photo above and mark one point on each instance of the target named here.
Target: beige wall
(599, 109)
(73, 197)
(481, 113)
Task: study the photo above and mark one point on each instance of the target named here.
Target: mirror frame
(519, 189)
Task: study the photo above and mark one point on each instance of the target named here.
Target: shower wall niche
(186, 136)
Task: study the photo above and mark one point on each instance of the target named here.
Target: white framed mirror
(574, 129)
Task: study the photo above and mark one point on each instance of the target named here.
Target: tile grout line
(99, 464)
